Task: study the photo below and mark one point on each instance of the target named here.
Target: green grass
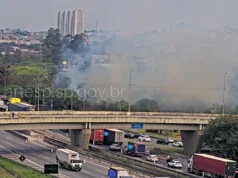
(18, 170)
(174, 135)
(5, 174)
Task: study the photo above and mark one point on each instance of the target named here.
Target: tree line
(25, 77)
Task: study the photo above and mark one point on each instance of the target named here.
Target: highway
(38, 153)
(162, 157)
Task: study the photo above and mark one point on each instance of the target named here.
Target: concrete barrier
(19, 135)
(55, 142)
(177, 155)
(25, 132)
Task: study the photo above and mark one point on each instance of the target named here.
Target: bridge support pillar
(190, 141)
(80, 138)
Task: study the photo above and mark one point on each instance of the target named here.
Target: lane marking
(99, 170)
(39, 145)
(96, 164)
(86, 171)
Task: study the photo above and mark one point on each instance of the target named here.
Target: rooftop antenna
(96, 26)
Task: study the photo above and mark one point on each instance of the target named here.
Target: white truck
(69, 159)
(118, 172)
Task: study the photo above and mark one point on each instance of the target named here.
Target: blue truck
(137, 149)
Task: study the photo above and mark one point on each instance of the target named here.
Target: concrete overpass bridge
(81, 123)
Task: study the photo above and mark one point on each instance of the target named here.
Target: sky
(120, 15)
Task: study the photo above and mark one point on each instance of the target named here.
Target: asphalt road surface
(162, 157)
(38, 153)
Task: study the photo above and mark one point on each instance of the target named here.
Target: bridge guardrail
(132, 163)
(110, 113)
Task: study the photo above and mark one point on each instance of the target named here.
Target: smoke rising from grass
(181, 68)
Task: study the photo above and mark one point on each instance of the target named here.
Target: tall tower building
(77, 22)
(71, 22)
(64, 28)
(68, 23)
(59, 21)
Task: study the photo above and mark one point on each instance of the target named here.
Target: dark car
(137, 135)
(162, 141)
(129, 135)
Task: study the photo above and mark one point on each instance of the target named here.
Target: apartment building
(71, 22)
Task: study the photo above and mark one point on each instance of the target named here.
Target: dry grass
(5, 174)
(151, 146)
(174, 135)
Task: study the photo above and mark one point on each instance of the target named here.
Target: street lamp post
(224, 88)
(38, 91)
(129, 94)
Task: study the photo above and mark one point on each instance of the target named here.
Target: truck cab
(69, 159)
(118, 172)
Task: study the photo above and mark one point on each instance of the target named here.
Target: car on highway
(152, 158)
(178, 144)
(162, 141)
(137, 135)
(175, 164)
(129, 135)
(170, 140)
(144, 138)
(115, 147)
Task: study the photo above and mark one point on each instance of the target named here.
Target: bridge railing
(110, 113)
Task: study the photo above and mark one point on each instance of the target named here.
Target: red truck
(206, 164)
(97, 136)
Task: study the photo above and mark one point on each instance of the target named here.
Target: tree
(78, 44)
(215, 109)
(222, 136)
(52, 46)
(26, 75)
(146, 105)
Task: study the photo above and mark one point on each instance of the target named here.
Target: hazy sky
(119, 14)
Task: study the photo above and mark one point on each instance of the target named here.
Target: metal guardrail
(132, 161)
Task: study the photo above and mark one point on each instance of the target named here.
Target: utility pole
(224, 88)
(38, 97)
(129, 92)
(52, 95)
(72, 100)
(38, 82)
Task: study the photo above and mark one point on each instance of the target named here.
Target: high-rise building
(71, 23)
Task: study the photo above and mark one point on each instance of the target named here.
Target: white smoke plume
(182, 68)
